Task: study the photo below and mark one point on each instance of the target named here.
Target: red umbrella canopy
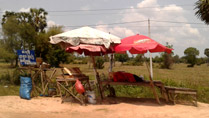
(93, 50)
(140, 44)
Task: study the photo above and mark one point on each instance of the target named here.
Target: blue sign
(26, 57)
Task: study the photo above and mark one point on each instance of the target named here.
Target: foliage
(5, 54)
(176, 59)
(201, 61)
(136, 61)
(100, 62)
(21, 29)
(167, 58)
(53, 54)
(10, 78)
(157, 59)
(79, 60)
(191, 54)
(202, 13)
(206, 52)
(121, 58)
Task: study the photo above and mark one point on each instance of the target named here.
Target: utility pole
(149, 28)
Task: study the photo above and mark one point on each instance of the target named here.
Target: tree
(121, 58)
(157, 59)
(53, 54)
(206, 52)
(30, 24)
(11, 39)
(37, 18)
(190, 56)
(176, 59)
(138, 60)
(7, 56)
(23, 30)
(202, 13)
(167, 58)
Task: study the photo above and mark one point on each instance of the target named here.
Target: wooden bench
(159, 84)
(173, 92)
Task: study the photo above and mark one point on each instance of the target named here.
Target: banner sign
(26, 57)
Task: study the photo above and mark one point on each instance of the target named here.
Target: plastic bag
(25, 87)
(79, 87)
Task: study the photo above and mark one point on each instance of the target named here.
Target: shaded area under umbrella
(89, 41)
(140, 44)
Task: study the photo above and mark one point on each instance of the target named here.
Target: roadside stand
(39, 72)
(87, 41)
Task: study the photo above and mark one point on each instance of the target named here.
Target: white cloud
(24, 10)
(116, 30)
(147, 3)
(51, 23)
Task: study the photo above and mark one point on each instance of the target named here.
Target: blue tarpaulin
(25, 87)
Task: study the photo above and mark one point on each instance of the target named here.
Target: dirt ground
(48, 107)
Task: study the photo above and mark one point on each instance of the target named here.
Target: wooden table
(158, 84)
(66, 84)
(173, 92)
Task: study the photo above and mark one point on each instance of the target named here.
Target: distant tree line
(167, 60)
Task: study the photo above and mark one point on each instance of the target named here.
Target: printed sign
(26, 57)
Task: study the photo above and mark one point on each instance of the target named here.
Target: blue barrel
(25, 87)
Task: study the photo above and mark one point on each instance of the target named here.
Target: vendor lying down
(121, 76)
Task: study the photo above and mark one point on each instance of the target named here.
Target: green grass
(9, 90)
(180, 76)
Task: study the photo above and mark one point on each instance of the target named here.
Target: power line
(178, 22)
(138, 22)
(113, 9)
(120, 13)
(121, 23)
(108, 24)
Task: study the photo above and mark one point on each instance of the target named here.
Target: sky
(171, 21)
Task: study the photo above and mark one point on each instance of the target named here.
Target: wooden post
(97, 77)
(111, 62)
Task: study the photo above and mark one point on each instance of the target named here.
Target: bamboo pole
(97, 76)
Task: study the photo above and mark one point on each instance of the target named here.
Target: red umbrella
(140, 44)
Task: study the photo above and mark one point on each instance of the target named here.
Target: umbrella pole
(111, 62)
(97, 77)
(152, 84)
(151, 71)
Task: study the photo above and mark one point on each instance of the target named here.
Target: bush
(5, 78)
(11, 78)
(167, 61)
(100, 62)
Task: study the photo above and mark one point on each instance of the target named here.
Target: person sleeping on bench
(122, 76)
